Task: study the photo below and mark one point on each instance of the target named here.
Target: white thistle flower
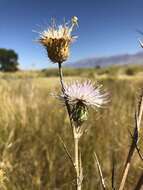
(82, 95)
(87, 93)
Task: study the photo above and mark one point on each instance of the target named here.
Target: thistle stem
(63, 90)
(76, 154)
(139, 184)
(127, 166)
(75, 135)
(61, 77)
(132, 149)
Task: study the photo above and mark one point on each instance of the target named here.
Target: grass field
(32, 157)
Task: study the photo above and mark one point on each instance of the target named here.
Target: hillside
(107, 61)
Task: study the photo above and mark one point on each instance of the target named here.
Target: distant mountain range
(107, 61)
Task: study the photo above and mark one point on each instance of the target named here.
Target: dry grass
(31, 154)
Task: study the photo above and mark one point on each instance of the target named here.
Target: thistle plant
(77, 96)
(135, 142)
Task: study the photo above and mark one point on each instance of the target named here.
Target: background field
(32, 157)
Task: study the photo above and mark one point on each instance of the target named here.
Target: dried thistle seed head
(57, 41)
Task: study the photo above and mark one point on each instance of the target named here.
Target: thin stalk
(63, 90)
(132, 149)
(76, 154)
(61, 76)
(139, 184)
(127, 166)
(100, 172)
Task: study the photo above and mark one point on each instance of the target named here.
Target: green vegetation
(112, 71)
(109, 71)
(31, 120)
(8, 60)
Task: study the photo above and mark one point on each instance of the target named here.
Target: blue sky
(106, 27)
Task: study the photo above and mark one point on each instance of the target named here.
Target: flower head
(86, 93)
(57, 41)
(81, 95)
